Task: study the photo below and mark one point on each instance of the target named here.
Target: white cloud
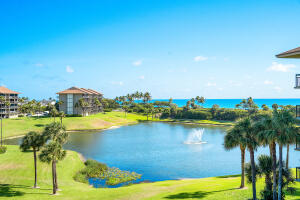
(137, 62)
(69, 69)
(210, 84)
(280, 67)
(200, 58)
(142, 77)
(234, 83)
(267, 82)
(117, 83)
(220, 89)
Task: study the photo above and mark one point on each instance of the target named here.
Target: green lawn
(21, 126)
(16, 180)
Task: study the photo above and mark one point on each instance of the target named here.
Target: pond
(163, 151)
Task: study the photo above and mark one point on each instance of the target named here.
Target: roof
(293, 53)
(76, 90)
(4, 90)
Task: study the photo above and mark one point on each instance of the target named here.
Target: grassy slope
(20, 126)
(16, 179)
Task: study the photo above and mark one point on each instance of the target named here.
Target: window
(70, 104)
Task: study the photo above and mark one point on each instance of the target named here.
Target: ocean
(230, 103)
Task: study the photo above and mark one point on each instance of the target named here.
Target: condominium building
(8, 103)
(294, 53)
(80, 101)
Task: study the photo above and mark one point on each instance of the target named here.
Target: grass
(16, 180)
(21, 126)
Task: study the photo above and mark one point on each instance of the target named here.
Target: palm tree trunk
(253, 172)
(35, 168)
(287, 156)
(53, 178)
(280, 173)
(274, 160)
(56, 183)
(243, 166)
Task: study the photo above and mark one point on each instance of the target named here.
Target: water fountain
(195, 137)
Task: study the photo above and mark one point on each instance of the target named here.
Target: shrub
(73, 115)
(81, 177)
(2, 149)
(107, 109)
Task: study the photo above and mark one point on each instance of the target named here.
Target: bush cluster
(113, 176)
(73, 115)
(2, 149)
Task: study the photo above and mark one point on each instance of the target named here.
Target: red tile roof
(293, 53)
(4, 90)
(76, 90)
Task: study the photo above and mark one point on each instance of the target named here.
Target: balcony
(297, 81)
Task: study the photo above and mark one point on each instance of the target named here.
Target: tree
(267, 135)
(234, 138)
(287, 132)
(275, 106)
(35, 141)
(7, 104)
(52, 153)
(83, 105)
(98, 103)
(58, 136)
(61, 116)
(265, 107)
(200, 100)
(247, 129)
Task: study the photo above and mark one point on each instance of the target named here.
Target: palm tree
(57, 134)
(7, 104)
(232, 139)
(61, 115)
(267, 135)
(83, 105)
(147, 97)
(35, 141)
(249, 138)
(200, 100)
(52, 153)
(287, 132)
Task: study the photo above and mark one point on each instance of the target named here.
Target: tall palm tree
(35, 141)
(249, 138)
(52, 153)
(267, 135)
(83, 105)
(200, 100)
(233, 139)
(287, 132)
(57, 134)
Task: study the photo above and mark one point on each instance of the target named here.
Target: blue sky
(171, 48)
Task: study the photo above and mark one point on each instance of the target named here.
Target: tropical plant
(234, 138)
(200, 100)
(34, 141)
(56, 133)
(249, 138)
(83, 105)
(52, 153)
(267, 135)
(287, 132)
